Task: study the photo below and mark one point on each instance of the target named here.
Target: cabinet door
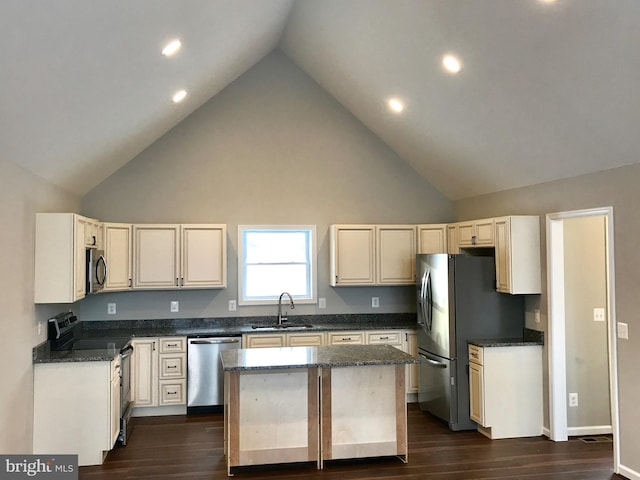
(352, 255)
(80, 264)
(502, 255)
(484, 232)
(385, 337)
(345, 338)
(264, 340)
(413, 374)
(92, 234)
(117, 252)
(204, 256)
(305, 339)
(452, 239)
(156, 256)
(432, 238)
(476, 393)
(144, 372)
(115, 408)
(396, 254)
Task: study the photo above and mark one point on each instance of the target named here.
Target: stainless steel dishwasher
(205, 379)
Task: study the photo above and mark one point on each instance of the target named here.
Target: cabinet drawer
(388, 337)
(172, 392)
(172, 366)
(345, 338)
(305, 339)
(476, 354)
(173, 345)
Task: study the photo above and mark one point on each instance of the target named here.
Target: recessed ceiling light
(179, 96)
(451, 64)
(396, 105)
(172, 47)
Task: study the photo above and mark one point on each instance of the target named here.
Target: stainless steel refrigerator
(457, 302)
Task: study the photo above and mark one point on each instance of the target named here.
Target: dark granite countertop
(306, 357)
(227, 326)
(529, 338)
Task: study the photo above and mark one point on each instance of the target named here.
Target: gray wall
(22, 194)
(586, 340)
(272, 148)
(617, 188)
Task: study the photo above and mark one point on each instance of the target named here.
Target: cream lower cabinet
(118, 254)
(505, 390)
(179, 256)
(60, 257)
(159, 370)
(297, 339)
(355, 337)
(92, 425)
(413, 372)
(517, 240)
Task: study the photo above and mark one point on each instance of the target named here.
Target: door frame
(556, 326)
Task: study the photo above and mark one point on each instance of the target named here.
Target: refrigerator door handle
(422, 299)
(435, 363)
(428, 315)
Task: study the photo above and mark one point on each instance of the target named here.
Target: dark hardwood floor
(191, 447)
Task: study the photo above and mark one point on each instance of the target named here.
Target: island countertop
(308, 357)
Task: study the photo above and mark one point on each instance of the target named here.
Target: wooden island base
(282, 414)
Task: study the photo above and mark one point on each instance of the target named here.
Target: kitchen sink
(281, 327)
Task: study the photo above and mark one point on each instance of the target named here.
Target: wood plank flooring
(191, 447)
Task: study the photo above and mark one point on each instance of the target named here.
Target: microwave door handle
(102, 281)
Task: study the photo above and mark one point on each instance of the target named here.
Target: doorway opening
(557, 302)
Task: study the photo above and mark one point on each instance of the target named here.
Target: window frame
(313, 264)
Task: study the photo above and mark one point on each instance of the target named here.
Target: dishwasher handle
(213, 341)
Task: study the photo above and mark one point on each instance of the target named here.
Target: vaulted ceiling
(548, 89)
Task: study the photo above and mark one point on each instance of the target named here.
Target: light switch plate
(598, 314)
(322, 302)
(232, 305)
(375, 302)
(174, 306)
(111, 308)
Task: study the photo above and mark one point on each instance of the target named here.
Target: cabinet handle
(172, 344)
(177, 283)
(384, 338)
(172, 366)
(182, 282)
(344, 339)
(130, 283)
(172, 393)
(154, 346)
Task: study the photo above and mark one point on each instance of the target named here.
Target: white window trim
(314, 264)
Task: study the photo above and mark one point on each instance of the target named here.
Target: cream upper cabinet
(517, 241)
(432, 238)
(60, 261)
(117, 252)
(179, 256)
(476, 233)
(204, 256)
(352, 250)
(452, 239)
(372, 254)
(396, 252)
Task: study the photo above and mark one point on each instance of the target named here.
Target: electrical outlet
(598, 314)
(623, 330)
(174, 307)
(111, 308)
(573, 399)
(232, 305)
(322, 303)
(39, 327)
(375, 302)
(536, 315)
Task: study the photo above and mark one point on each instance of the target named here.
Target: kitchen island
(312, 404)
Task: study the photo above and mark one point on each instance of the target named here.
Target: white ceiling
(547, 91)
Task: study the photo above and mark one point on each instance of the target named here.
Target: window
(276, 259)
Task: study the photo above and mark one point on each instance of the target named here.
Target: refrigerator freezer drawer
(437, 393)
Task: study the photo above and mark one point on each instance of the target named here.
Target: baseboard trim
(591, 430)
(159, 411)
(629, 473)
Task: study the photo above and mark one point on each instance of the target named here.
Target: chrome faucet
(282, 318)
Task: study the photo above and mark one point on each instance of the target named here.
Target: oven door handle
(126, 351)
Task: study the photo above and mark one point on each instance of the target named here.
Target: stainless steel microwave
(96, 269)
